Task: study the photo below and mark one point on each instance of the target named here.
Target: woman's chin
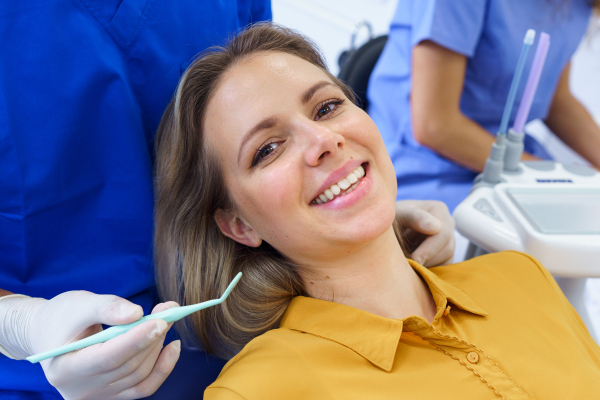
(368, 226)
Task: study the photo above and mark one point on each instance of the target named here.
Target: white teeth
(352, 178)
(348, 184)
(352, 188)
(344, 184)
(361, 170)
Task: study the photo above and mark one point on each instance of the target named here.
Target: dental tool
(532, 81)
(514, 145)
(170, 315)
(495, 162)
(527, 42)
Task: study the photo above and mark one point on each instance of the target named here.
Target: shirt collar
(443, 292)
(373, 337)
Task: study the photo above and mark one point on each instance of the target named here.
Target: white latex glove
(130, 366)
(429, 225)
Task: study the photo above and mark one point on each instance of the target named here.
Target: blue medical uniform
(490, 33)
(83, 85)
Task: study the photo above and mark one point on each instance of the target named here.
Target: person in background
(438, 91)
(83, 85)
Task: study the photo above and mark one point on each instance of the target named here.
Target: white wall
(331, 23)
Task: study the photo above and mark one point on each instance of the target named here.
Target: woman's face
(287, 138)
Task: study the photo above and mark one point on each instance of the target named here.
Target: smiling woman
(266, 166)
(225, 162)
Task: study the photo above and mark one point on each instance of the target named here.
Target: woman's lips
(343, 187)
(349, 197)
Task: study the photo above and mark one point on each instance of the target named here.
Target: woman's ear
(235, 228)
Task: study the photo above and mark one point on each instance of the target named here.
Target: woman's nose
(320, 142)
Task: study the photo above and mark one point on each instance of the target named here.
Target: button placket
(476, 361)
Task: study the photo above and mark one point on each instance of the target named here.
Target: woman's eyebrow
(308, 94)
(264, 124)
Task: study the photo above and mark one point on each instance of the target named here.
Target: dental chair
(356, 65)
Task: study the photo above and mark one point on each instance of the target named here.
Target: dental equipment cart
(546, 209)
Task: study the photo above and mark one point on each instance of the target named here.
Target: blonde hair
(194, 261)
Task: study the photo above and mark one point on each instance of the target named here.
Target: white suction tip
(529, 37)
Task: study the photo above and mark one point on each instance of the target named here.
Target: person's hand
(428, 228)
(130, 366)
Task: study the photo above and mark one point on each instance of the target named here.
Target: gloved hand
(130, 366)
(429, 227)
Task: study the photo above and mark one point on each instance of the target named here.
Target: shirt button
(447, 311)
(473, 357)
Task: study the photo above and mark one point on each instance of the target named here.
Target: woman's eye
(325, 110)
(264, 151)
(328, 108)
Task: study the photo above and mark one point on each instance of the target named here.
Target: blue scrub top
(490, 33)
(83, 85)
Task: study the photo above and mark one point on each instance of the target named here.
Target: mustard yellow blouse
(503, 330)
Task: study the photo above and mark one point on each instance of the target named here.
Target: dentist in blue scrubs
(438, 90)
(83, 85)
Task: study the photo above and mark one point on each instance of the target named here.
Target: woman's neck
(376, 278)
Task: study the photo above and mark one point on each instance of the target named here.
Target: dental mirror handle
(170, 315)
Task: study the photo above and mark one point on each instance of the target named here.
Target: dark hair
(194, 261)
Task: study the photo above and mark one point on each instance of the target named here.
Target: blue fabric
(83, 84)
(194, 372)
(490, 33)
(21, 395)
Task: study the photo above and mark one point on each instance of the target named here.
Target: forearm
(438, 123)
(574, 125)
(6, 317)
(461, 140)
(15, 316)
(8, 309)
